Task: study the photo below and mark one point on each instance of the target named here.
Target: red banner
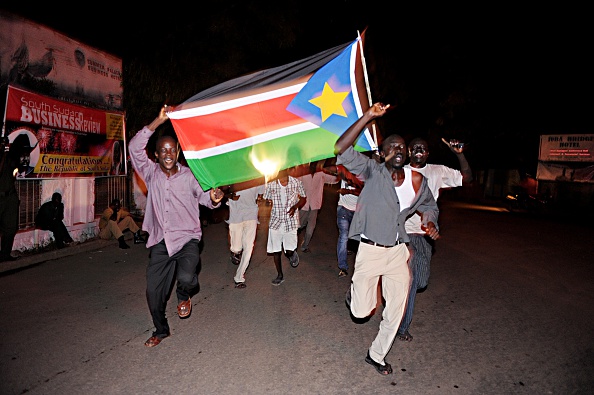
(62, 139)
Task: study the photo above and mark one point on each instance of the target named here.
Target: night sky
(496, 76)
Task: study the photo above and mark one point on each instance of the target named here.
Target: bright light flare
(269, 168)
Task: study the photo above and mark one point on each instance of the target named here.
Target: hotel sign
(566, 148)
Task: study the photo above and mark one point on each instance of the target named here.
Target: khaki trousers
(390, 264)
(113, 230)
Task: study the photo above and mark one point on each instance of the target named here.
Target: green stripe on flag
(237, 166)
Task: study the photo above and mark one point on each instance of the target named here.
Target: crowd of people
(386, 205)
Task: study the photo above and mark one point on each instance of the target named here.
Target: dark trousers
(420, 267)
(161, 273)
(60, 232)
(9, 223)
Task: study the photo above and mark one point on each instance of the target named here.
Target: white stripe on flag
(234, 103)
(262, 138)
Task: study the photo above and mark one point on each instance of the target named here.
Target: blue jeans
(343, 220)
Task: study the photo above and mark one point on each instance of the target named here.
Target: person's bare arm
(294, 208)
(464, 166)
(161, 118)
(348, 138)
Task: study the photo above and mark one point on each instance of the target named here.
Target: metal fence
(29, 192)
(106, 189)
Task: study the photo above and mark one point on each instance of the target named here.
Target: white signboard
(34, 56)
(566, 148)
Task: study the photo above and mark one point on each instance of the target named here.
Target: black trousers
(161, 273)
(60, 232)
(9, 223)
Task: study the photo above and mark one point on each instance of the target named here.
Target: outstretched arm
(348, 138)
(216, 195)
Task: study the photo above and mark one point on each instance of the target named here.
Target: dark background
(496, 76)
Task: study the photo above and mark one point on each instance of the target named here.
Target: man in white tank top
(390, 195)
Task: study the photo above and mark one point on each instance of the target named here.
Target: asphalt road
(509, 310)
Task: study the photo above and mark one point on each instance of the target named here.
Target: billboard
(566, 148)
(566, 157)
(39, 59)
(64, 140)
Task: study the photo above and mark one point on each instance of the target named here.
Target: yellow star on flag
(330, 102)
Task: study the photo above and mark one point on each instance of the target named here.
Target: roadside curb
(33, 259)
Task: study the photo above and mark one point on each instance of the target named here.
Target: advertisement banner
(40, 59)
(566, 148)
(62, 139)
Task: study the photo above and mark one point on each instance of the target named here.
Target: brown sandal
(153, 341)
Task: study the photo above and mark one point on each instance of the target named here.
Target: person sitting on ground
(50, 217)
(114, 221)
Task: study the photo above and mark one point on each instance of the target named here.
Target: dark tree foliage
(495, 77)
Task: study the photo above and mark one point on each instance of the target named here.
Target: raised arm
(464, 166)
(348, 138)
(160, 119)
(137, 145)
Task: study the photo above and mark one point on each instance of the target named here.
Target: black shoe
(384, 370)
(294, 259)
(277, 281)
(138, 239)
(235, 258)
(122, 243)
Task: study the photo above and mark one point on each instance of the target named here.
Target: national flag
(288, 115)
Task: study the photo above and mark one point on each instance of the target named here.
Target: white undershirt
(406, 191)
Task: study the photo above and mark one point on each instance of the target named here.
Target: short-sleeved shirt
(245, 208)
(314, 187)
(438, 176)
(279, 216)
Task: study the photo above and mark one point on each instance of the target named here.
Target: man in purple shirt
(172, 220)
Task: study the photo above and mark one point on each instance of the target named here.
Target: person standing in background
(313, 183)
(438, 176)
(243, 224)
(10, 155)
(350, 188)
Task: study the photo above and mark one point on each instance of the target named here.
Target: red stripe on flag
(207, 131)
